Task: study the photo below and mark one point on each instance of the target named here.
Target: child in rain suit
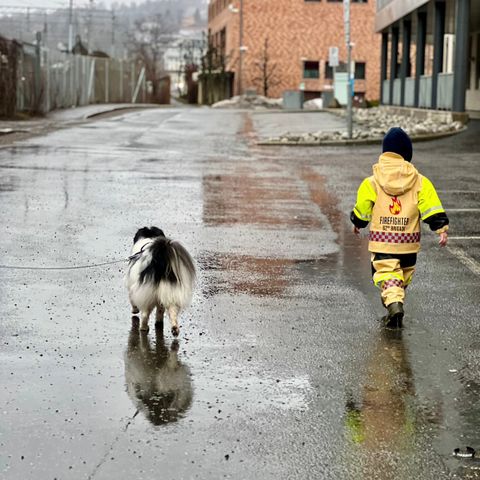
(393, 200)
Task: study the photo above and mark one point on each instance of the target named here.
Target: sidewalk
(13, 130)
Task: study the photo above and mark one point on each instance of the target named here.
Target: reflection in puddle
(246, 197)
(245, 274)
(262, 277)
(384, 422)
(159, 385)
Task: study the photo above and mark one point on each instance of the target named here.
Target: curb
(127, 108)
(357, 141)
(9, 131)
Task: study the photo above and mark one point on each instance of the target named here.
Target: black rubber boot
(395, 315)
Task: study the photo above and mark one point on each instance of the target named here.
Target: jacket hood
(394, 175)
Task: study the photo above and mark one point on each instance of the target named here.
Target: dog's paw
(175, 331)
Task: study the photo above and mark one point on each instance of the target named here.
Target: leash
(135, 256)
(72, 267)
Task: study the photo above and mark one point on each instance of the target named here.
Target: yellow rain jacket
(393, 200)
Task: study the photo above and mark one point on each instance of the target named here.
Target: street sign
(333, 57)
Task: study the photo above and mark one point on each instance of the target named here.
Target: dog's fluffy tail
(171, 268)
(181, 263)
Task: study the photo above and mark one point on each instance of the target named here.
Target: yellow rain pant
(391, 278)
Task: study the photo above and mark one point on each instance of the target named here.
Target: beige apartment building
(288, 41)
(430, 55)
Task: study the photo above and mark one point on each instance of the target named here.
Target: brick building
(294, 36)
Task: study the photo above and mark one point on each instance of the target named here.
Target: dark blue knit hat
(397, 141)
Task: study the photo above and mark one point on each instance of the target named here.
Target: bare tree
(148, 42)
(266, 70)
(190, 57)
(213, 72)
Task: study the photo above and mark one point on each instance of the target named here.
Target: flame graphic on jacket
(396, 206)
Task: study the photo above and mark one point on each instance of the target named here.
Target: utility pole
(45, 29)
(70, 27)
(240, 50)
(28, 23)
(91, 6)
(346, 5)
(113, 34)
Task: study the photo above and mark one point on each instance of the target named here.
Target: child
(394, 200)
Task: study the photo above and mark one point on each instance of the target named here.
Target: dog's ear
(141, 233)
(157, 232)
(148, 232)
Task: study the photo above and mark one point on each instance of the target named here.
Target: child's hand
(356, 231)
(443, 239)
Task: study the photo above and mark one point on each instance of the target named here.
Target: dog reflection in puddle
(158, 384)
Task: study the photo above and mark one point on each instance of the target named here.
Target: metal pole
(107, 80)
(240, 50)
(346, 4)
(38, 74)
(121, 81)
(139, 84)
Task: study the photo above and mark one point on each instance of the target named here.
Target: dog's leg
(144, 316)
(159, 317)
(134, 307)
(172, 313)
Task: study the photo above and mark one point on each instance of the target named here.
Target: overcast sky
(54, 3)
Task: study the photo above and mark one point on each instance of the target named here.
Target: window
(311, 69)
(328, 71)
(360, 70)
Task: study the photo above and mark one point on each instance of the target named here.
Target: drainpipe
(383, 65)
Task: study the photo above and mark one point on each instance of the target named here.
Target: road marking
(473, 237)
(463, 210)
(465, 259)
(459, 191)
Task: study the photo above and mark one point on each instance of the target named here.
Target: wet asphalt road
(281, 369)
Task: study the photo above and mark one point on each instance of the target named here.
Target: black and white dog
(161, 274)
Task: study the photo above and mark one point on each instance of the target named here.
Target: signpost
(333, 57)
(346, 6)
